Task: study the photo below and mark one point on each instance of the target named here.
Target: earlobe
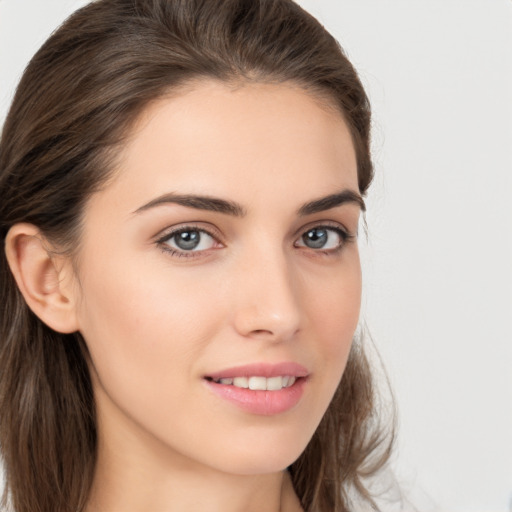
(45, 279)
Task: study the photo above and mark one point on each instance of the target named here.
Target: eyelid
(204, 227)
(163, 236)
(345, 235)
(328, 224)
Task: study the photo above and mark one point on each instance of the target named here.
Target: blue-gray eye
(190, 240)
(322, 238)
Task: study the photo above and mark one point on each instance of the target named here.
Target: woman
(181, 188)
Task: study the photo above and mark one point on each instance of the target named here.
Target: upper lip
(262, 370)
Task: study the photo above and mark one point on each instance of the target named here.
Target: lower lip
(264, 403)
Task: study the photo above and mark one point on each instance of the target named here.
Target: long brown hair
(76, 101)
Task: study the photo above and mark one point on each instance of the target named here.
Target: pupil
(315, 238)
(187, 240)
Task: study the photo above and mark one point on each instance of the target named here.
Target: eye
(188, 239)
(323, 237)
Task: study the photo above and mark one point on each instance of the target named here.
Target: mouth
(260, 389)
(257, 383)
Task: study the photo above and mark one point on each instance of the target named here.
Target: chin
(262, 456)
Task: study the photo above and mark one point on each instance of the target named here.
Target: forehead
(220, 139)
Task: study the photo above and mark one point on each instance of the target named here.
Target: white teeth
(241, 382)
(274, 383)
(259, 383)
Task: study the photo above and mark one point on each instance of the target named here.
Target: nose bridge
(267, 299)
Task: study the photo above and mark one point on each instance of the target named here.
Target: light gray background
(438, 263)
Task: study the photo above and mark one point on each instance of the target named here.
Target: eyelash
(344, 235)
(169, 235)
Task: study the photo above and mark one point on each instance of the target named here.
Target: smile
(258, 383)
(261, 388)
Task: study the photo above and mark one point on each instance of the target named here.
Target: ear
(45, 279)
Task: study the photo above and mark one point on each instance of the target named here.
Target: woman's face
(224, 248)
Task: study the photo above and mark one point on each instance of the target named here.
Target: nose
(266, 299)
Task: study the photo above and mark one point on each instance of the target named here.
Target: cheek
(334, 310)
(142, 324)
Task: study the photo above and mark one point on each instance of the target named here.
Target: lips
(263, 389)
(259, 383)
(261, 370)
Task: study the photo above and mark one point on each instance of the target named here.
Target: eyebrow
(332, 201)
(198, 202)
(215, 204)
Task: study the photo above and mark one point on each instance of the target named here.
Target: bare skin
(255, 263)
